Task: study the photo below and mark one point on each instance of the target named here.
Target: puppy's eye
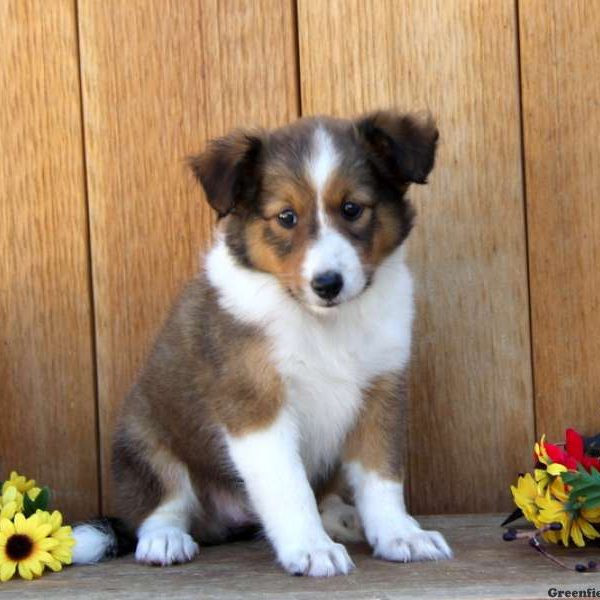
(351, 210)
(287, 218)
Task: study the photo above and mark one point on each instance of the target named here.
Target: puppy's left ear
(229, 169)
(401, 147)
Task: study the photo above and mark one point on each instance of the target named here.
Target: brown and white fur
(279, 375)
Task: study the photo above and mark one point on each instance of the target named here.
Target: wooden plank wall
(47, 403)
(100, 224)
(560, 57)
(156, 88)
(471, 376)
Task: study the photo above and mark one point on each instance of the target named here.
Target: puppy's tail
(101, 538)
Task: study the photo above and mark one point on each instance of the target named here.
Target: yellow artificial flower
(575, 525)
(19, 481)
(63, 534)
(544, 498)
(25, 546)
(591, 514)
(33, 493)
(525, 494)
(542, 478)
(555, 469)
(540, 451)
(559, 490)
(545, 477)
(552, 510)
(11, 501)
(580, 527)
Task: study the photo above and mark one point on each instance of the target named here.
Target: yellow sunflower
(34, 492)
(62, 553)
(575, 523)
(540, 451)
(25, 545)
(11, 501)
(525, 494)
(545, 477)
(19, 481)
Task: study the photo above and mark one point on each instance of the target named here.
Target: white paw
(323, 559)
(412, 544)
(165, 546)
(340, 520)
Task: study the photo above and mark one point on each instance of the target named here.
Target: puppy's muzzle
(327, 285)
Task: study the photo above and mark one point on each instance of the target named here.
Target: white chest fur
(326, 359)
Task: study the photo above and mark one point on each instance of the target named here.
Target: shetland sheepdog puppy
(274, 396)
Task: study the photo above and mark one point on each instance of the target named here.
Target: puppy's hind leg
(163, 537)
(340, 520)
(154, 496)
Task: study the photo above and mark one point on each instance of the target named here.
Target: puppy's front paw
(322, 559)
(412, 544)
(165, 546)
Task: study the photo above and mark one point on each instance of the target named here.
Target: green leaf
(43, 499)
(583, 485)
(592, 501)
(584, 482)
(585, 490)
(28, 506)
(40, 503)
(570, 477)
(591, 496)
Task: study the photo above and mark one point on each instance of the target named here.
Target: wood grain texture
(47, 400)
(560, 57)
(471, 410)
(159, 79)
(484, 567)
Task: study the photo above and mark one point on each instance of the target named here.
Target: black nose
(327, 285)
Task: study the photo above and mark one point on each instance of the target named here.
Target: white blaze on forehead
(322, 162)
(331, 251)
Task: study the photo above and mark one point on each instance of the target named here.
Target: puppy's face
(320, 203)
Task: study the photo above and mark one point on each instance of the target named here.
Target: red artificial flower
(573, 453)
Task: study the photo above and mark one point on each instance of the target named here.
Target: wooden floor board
(484, 567)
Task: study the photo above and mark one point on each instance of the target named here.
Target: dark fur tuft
(123, 540)
(100, 539)
(228, 170)
(402, 147)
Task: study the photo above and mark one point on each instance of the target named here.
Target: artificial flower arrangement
(31, 538)
(562, 496)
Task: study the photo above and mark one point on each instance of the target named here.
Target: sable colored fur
(278, 379)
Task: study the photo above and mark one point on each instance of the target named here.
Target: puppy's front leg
(374, 470)
(269, 462)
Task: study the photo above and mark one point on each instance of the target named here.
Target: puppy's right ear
(229, 170)
(401, 146)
